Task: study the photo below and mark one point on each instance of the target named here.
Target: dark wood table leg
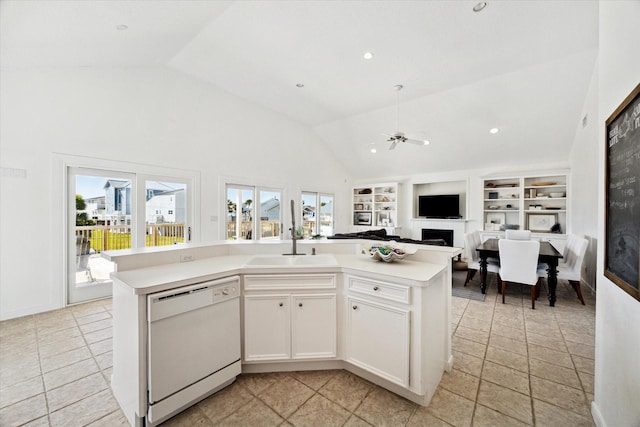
(552, 280)
(483, 273)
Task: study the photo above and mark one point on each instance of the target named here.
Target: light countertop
(159, 278)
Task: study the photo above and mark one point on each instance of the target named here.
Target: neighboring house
(95, 207)
(166, 207)
(270, 210)
(117, 202)
(308, 213)
(164, 204)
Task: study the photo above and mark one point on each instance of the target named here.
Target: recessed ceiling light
(494, 130)
(367, 55)
(122, 27)
(299, 85)
(480, 6)
(425, 142)
(373, 150)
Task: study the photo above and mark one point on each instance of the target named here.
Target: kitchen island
(386, 322)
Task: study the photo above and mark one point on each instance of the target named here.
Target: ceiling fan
(398, 137)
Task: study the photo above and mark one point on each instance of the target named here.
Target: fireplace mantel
(457, 225)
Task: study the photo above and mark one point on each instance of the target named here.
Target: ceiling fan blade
(417, 142)
(393, 145)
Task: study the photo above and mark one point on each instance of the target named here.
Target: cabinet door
(378, 339)
(267, 329)
(313, 326)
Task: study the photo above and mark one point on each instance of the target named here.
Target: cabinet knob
(281, 304)
(375, 288)
(355, 307)
(299, 304)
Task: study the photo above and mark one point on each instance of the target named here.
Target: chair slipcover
(518, 234)
(570, 268)
(519, 264)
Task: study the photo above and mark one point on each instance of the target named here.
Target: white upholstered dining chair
(519, 264)
(570, 267)
(471, 241)
(517, 234)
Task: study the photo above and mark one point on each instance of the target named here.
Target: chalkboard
(622, 233)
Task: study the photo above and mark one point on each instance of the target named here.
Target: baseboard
(13, 314)
(597, 416)
(588, 286)
(449, 364)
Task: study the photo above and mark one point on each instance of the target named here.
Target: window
(317, 214)
(253, 213)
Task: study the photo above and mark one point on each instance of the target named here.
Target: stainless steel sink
(327, 260)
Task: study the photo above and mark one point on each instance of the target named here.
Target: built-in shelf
(528, 209)
(376, 205)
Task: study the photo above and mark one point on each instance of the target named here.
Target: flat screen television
(439, 206)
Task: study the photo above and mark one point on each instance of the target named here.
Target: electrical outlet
(187, 258)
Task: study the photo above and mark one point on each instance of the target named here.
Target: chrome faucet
(294, 249)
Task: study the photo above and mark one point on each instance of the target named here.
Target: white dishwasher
(194, 344)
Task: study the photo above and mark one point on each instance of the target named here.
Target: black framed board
(622, 187)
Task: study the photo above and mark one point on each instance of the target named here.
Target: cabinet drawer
(388, 291)
(289, 281)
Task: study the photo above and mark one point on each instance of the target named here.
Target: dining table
(547, 254)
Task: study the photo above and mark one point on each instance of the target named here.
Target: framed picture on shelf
(496, 218)
(494, 221)
(362, 218)
(384, 219)
(358, 207)
(541, 222)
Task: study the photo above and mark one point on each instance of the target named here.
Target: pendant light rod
(398, 88)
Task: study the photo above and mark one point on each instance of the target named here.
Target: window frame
(256, 222)
(318, 195)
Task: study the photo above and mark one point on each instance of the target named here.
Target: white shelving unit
(375, 206)
(531, 202)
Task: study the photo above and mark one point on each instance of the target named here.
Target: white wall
(584, 160)
(617, 373)
(153, 116)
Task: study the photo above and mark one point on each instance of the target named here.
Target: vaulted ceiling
(521, 66)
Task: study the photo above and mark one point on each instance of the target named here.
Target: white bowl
(387, 252)
(559, 194)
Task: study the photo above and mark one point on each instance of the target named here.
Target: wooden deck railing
(268, 229)
(112, 237)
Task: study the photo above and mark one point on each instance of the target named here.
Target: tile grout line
(526, 340)
(44, 386)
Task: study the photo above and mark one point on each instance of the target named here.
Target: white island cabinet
(378, 339)
(398, 333)
(289, 317)
(389, 323)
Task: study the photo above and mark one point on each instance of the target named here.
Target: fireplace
(432, 233)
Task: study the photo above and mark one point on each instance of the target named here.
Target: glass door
(100, 206)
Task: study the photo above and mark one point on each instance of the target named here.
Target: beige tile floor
(513, 366)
